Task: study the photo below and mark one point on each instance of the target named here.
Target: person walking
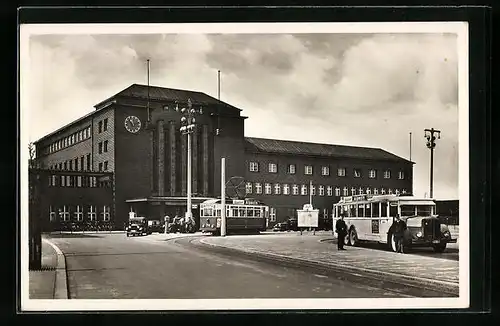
(398, 229)
(341, 229)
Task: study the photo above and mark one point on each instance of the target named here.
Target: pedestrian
(167, 221)
(398, 229)
(341, 229)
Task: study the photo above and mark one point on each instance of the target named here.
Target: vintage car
(137, 226)
(155, 226)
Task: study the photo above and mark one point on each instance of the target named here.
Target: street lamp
(187, 128)
(431, 144)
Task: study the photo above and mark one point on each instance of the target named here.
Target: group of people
(178, 224)
(397, 228)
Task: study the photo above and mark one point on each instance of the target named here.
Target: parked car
(283, 226)
(155, 226)
(137, 226)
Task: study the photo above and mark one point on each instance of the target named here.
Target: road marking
(322, 276)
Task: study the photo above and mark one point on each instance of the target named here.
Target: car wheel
(439, 248)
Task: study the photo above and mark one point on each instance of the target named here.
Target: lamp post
(187, 128)
(431, 144)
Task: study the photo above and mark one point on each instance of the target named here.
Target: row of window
(295, 189)
(65, 213)
(325, 171)
(77, 181)
(68, 141)
(77, 164)
(102, 125)
(80, 164)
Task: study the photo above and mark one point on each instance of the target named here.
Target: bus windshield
(416, 210)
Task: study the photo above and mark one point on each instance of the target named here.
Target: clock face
(132, 124)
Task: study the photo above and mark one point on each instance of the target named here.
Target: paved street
(106, 266)
(418, 264)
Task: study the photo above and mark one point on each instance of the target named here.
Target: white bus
(369, 218)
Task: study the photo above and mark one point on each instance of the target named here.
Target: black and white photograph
(244, 166)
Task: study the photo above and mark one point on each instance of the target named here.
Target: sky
(350, 89)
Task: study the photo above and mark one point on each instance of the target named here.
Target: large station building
(135, 135)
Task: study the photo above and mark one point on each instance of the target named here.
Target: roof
(276, 146)
(170, 94)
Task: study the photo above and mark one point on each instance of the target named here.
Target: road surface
(112, 266)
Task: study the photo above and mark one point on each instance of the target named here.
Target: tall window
(254, 167)
(308, 169)
(100, 166)
(79, 181)
(382, 191)
(321, 190)
(99, 126)
(82, 161)
(272, 214)
(361, 191)
(105, 167)
(375, 191)
(401, 175)
(337, 191)
(248, 188)
(403, 191)
(52, 214)
(76, 164)
(258, 188)
(372, 174)
(325, 170)
(277, 189)
(91, 214)
(286, 189)
(105, 214)
(353, 191)
(341, 172)
(295, 189)
(390, 191)
(64, 214)
(88, 163)
(105, 126)
(329, 190)
(397, 192)
(268, 188)
(387, 174)
(291, 169)
(346, 191)
(368, 191)
(79, 213)
(105, 146)
(63, 181)
(313, 190)
(357, 173)
(100, 147)
(273, 168)
(303, 191)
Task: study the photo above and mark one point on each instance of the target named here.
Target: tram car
(242, 216)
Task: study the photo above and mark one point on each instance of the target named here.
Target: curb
(61, 284)
(450, 287)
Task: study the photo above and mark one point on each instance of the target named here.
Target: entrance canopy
(168, 201)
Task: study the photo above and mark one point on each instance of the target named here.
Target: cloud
(358, 89)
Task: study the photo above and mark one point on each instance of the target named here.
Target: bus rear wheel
(391, 241)
(353, 238)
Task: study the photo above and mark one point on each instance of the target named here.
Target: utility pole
(223, 198)
(431, 144)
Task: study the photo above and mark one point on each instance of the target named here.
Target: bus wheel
(353, 238)
(439, 247)
(392, 243)
(347, 240)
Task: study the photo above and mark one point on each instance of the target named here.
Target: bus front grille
(431, 228)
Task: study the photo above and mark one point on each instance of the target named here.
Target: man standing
(341, 229)
(398, 229)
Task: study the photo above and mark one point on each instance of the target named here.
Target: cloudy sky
(353, 89)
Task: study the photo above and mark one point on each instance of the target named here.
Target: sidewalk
(314, 249)
(42, 282)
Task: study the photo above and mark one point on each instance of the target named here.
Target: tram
(242, 216)
(369, 218)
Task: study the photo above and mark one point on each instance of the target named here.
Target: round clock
(132, 124)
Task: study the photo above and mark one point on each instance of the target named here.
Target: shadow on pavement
(74, 235)
(449, 253)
